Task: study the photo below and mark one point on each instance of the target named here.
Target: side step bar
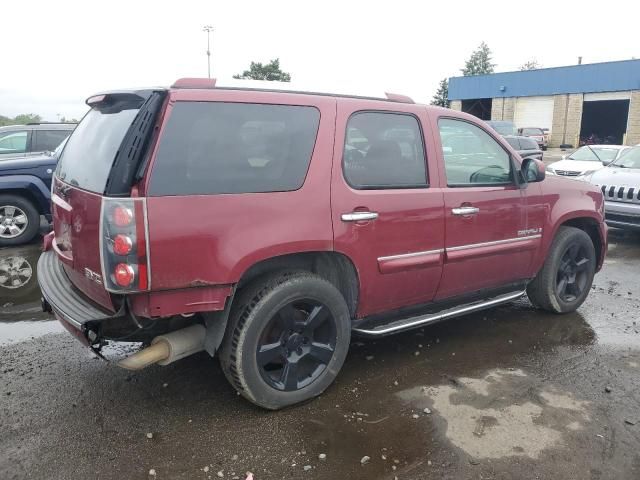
(421, 320)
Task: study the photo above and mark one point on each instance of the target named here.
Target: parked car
(18, 141)
(586, 160)
(503, 127)
(525, 146)
(25, 186)
(535, 133)
(620, 185)
(250, 227)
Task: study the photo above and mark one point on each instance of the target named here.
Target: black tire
(256, 316)
(33, 220)
(563, 284)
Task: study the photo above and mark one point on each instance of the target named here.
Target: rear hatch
(101, 158)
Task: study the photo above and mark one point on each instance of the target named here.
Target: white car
(586, 160)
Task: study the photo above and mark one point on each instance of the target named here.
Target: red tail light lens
(122, 244)
(122, 216)
(124, 274)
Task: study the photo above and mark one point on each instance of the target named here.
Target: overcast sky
(58, 52)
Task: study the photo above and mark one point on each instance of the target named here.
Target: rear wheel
(287, 339)
(19, 220)
(566, 277)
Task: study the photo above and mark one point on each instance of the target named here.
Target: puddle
(504, 413)
(21, 316)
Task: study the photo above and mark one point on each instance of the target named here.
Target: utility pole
(208, 29)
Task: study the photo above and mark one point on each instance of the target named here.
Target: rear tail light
(123, 244)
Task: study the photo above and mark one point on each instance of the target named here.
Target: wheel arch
(28, 187)
(593, 227)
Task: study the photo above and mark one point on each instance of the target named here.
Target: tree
(479, 62)
(441, 98)
(531, 65)
(25, 118)
(271, 71)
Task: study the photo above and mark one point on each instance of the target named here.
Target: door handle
(465, 211)
(358, 216)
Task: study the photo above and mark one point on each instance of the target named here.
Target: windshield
(91, 149)
(532, 131)
(593, 154)
(630, 159)
(503, 128)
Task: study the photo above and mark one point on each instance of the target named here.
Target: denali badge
(91, 275)
(530, 231)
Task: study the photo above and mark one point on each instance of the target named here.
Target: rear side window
(13, 142)
(48, 140)
(384, 150)
(217, 147)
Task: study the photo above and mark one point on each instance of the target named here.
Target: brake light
(123, 244)
(122, 216)
(124, 274)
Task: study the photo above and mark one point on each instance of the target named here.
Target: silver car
(620, 185)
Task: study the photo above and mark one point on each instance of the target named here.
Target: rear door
(79, 183)
(487, 244)
(386, 216)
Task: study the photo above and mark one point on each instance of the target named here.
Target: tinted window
(89, 153)
(210, 148)
(384, 150)
(13, 142)
(48, 140)
(528, 144)
(532, 131)
(513, 142)
(472, 156)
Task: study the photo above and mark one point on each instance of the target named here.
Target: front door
(487, 243)
(386, 217)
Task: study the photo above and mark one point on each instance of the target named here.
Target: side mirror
(606, 162)
(533, 170)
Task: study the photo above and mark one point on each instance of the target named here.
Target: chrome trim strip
(490, 244)
(423, 320)
(410, 255)
(358, 216)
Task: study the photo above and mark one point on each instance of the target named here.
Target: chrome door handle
(358, 216)
(465, 211)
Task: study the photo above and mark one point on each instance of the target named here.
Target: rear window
(89, 153)
(217, 147)
(528, 144)
(513, 142)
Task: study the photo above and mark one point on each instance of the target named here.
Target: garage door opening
(480, 107)
(604, 122)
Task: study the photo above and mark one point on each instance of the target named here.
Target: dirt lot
(509, 393)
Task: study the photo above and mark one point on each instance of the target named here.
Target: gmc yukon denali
(266, 227)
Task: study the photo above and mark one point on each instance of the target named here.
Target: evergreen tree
(479, 62)
(441, 98)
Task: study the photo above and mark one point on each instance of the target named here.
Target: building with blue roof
(597, 102)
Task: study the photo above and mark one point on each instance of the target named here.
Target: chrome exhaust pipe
(166, 349)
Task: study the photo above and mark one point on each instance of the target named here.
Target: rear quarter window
(212, 148)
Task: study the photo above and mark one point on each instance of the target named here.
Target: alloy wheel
(13, 221)
(573, 273)
(296, 345)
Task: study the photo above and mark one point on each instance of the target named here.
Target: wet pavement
(506, 393)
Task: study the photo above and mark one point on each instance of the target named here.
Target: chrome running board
(421, 320)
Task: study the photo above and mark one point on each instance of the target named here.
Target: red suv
(267, 226)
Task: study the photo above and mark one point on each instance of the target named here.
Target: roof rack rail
(191, 82)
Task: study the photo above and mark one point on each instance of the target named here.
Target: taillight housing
(124, 248)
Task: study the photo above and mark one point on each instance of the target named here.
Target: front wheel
(566, 277)
(287, 339)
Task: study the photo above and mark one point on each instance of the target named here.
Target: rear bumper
(72, 308)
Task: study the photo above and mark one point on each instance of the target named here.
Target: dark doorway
(480, 107)
(604, 122)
